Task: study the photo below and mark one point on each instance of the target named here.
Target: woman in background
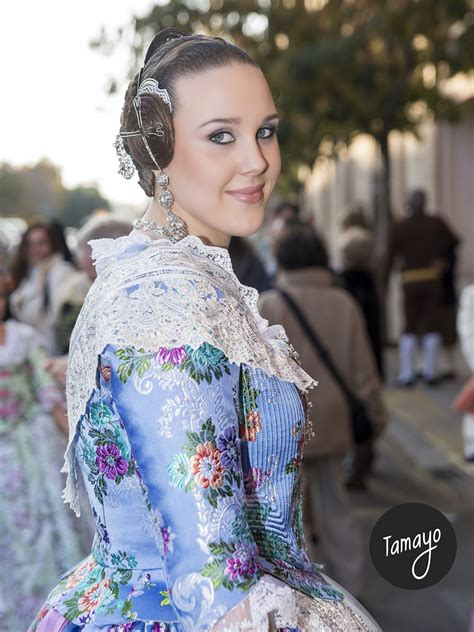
(37, 541)
(39, 269)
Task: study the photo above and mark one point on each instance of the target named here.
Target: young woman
(37, 541)
(186, 412)
(39, 269)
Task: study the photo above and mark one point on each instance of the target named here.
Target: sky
(55, 103)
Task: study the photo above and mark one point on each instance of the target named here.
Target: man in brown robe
(420, 244)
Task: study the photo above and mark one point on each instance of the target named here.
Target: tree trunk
(383, 214)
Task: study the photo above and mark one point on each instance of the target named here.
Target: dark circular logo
(413, 546)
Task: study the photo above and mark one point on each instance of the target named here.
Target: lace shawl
(151, 294)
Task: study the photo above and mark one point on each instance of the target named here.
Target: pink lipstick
(248, 195)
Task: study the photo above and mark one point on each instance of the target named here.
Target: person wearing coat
(338, 321)
(422, 246)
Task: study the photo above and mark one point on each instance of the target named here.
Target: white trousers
(335, 522)
(431, 344)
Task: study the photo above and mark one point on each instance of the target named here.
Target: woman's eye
(266, 132)
(222, 138)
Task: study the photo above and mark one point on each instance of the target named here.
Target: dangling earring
(176, 228)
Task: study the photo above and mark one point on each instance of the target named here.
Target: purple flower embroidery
(234, 568)
(168, 537)
(110, 461)
(174, 356)
(227, 444)
(254, 479)
(243, 564)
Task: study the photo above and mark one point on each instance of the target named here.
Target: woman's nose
(253, 160)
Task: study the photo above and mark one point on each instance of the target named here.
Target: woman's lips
(249, 195)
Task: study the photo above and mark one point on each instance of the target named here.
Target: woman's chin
(250, 225)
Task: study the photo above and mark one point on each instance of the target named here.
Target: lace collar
(106, 250)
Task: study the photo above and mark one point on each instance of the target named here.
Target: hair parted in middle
(172, 54)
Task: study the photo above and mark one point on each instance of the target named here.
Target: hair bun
(163, 37)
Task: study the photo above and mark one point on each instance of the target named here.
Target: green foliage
(80, 202)
(133, 360)
(345, 67)
(38, 189)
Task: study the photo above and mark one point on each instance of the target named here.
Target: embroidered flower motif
(80, 572)
(173, 356)
(179, 472)
(168, 537)
(252, 426)
(100, 415)
(91, 598)
(206, 466)
(227, 444)
(110, 461)
(242, 564)
(106, 372)
(234, 568)
(254, 479)
(122, 442)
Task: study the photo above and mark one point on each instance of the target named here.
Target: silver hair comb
(148, 86)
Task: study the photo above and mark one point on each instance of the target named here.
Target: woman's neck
(208, 235)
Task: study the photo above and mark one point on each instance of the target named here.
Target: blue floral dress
(192, 464)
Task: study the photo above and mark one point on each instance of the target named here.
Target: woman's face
(37, 246)
(226, 159)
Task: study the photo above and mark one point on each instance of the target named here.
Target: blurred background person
(263, 239)
(465, 401)
(356, 216)
(74, 288)
(356, 249)
(37, 538)
(448, 310)
(337, 320)
(247, 265)
(38, 270)
(419, 243)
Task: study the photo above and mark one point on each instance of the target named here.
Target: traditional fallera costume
(37, 539)
(187, 422)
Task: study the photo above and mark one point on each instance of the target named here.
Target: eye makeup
(224, 137)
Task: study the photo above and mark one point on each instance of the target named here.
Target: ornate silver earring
(176, 228)
(126, 166)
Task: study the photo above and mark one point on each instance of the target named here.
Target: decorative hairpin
(126, 166)
(150, 86)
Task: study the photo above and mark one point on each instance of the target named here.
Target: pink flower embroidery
(252, 426)
(174, 356)
(206, 466)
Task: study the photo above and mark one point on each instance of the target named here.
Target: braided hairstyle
(172, 54)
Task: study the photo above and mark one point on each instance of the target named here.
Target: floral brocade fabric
(187, 422)
(192, 467)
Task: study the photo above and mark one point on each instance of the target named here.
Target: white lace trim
(163, 296)
(271, 604)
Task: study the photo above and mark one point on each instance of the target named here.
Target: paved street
(420, 460)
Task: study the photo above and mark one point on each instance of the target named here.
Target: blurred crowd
(335, 319)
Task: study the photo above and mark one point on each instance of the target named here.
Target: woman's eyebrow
(236, 121)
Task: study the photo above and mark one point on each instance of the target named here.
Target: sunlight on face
(226, 159)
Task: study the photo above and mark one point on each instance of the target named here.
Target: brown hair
(299, 246)
(172, 54)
